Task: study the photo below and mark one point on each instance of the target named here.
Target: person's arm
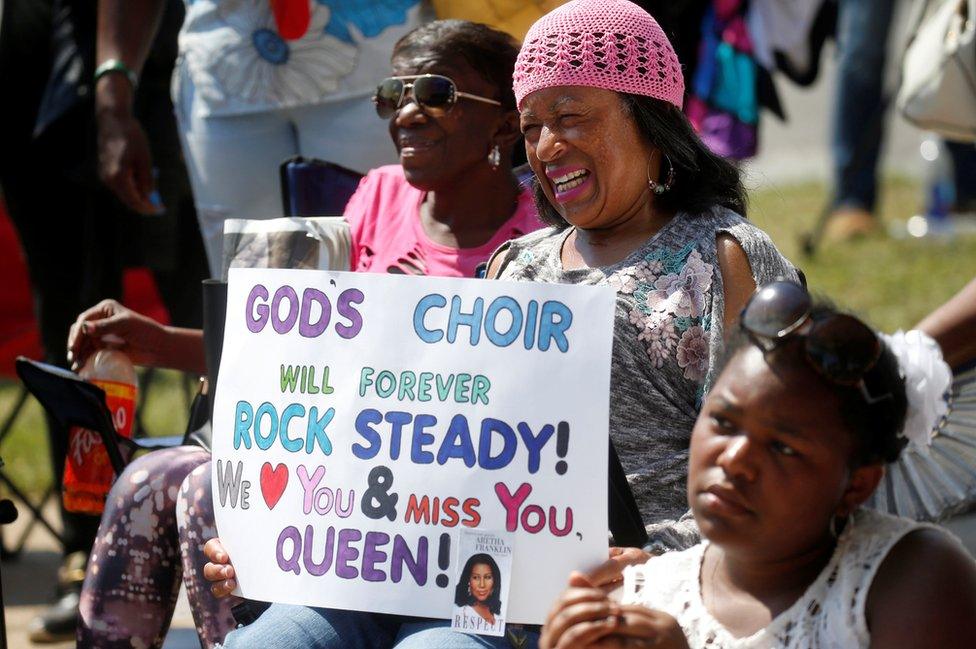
(108, 324)
(126, 29)
(953, 325)
(737, 279)
(924, 595)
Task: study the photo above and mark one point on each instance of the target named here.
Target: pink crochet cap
(610, 44)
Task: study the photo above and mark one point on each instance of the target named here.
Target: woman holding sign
(638, 203)
(791, 441)
(452, 200)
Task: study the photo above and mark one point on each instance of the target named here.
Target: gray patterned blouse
(668, 337)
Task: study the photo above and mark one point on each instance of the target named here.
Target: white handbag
(938, 88)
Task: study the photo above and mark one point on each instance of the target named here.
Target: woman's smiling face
(481, 582)
(436, 151)
(587, 153)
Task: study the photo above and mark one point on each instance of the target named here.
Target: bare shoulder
(924, 594)
(737, 277)
(496, 261)
(732, 259)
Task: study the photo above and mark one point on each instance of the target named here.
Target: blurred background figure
(859, 114)
(77, 238)
(255, 83)
(860, 122)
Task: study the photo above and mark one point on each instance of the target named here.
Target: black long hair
(702, 179)
(464, 598)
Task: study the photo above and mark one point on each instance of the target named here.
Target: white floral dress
(668, 338)
(239, 62)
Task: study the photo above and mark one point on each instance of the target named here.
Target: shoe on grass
(849, 223)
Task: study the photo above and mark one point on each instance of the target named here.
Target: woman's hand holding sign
(584, 616)
(218, 569)
(587, 616)
(609, 575)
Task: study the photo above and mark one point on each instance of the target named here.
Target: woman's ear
(864, 480)
(508, 131)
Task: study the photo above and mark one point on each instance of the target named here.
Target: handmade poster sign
(362, 421)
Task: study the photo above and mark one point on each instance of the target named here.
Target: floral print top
(668, 339)
(240, 63)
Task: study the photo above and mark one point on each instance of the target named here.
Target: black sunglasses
(434, 93)
(839, 346)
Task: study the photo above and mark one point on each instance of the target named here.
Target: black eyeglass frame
(807, 325)
(408, 83)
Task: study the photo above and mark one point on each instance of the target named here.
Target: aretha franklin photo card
(481, 585)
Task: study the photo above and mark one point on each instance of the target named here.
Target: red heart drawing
(273, 483)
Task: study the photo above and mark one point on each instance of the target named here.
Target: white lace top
(829, 614)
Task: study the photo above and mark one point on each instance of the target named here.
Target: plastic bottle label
(88, 472)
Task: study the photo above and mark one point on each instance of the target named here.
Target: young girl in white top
(792, 439)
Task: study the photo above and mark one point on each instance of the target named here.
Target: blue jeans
(284, 626)
(858, 121)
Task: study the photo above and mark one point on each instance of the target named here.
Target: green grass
(890, 282)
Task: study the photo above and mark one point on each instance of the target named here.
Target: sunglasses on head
(434, 93)
(840, 347)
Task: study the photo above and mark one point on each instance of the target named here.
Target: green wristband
(116, 66)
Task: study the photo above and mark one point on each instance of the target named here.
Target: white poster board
(362, 420)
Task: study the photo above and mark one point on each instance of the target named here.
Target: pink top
(384, 215)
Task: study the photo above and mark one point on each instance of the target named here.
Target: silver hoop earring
(656, 187)
(494, 157)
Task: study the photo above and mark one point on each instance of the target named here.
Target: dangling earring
(657, 187)
(494, 158)
(469, 590)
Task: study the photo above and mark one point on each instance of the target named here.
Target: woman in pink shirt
(448, 205)
(453, 199)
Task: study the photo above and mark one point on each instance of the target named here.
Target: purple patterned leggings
(140, 553)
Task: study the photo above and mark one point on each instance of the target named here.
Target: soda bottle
(88, 472)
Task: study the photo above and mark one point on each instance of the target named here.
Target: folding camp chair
(313, 187)
(72, 401)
